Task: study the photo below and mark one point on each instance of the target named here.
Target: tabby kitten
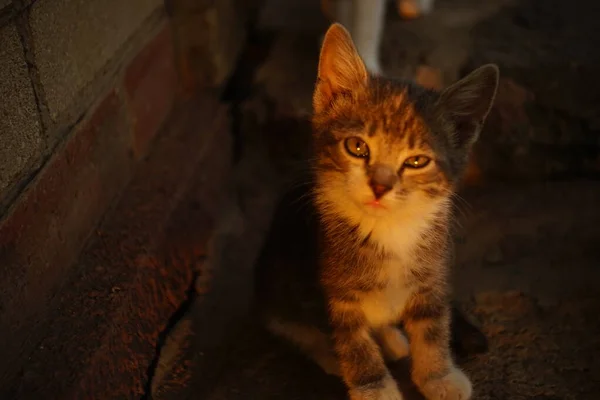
(347, 273)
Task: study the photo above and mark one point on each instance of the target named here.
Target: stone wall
(58, 58)
(85, 86)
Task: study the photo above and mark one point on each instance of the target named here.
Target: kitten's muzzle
(382, 179)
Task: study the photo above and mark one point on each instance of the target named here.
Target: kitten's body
(372, 241)
(375, 265)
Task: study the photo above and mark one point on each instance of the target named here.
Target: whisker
(462, 208)
(462, 205)
(304, 199)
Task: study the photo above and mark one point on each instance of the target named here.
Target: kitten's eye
(357, 147)
(417, 162)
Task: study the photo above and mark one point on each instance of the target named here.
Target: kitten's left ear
(468, 102)
(341, 70)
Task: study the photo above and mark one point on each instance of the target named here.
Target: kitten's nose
(379, 190)
(382, 180)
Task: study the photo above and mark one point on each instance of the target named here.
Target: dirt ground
(528, 263)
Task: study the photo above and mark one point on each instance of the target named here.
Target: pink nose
(379, 190)
(382, 179)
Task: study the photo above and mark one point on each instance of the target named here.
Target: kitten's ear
(341, 70)
(468, 102)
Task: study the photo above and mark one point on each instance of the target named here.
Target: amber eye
(417, 162)
(356, 147)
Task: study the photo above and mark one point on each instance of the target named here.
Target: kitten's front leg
(362, 365)
(392, 342)
(427, 323)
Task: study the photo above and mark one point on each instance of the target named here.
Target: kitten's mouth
(375, 204)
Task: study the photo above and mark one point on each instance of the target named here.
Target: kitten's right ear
(468, 102)
(341, 70)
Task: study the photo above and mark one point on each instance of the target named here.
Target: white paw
(394, 344)
(453, 386)
(387, 390)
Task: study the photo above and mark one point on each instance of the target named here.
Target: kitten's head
(384, 147)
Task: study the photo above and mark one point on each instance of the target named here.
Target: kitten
(365, 20)
(347, 272)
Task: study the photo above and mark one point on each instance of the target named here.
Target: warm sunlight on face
(384, 173)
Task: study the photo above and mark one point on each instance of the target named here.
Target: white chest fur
(385, 306)
(398, 235)
(398, 231)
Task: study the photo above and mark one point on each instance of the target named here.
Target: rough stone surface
(20, 130)
(545, 48)
(150, 84)
(538, 299)
(526, 271)
(47, 227)
(74, 39)
(527, 257)
(4, 3)
(210, 36)
(103, 327)
(194, 356)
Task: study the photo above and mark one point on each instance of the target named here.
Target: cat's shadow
(268, 368)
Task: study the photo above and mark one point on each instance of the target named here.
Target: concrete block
(20, 128)
(74, 39)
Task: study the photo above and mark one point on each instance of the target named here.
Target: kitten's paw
(387, 389)
(453, 386)
(393, 343)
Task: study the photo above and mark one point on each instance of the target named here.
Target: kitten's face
(378, 155)
(385, 147)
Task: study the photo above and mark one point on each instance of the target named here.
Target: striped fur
(348, 276)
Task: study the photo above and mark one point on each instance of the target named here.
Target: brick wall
(85, 85)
